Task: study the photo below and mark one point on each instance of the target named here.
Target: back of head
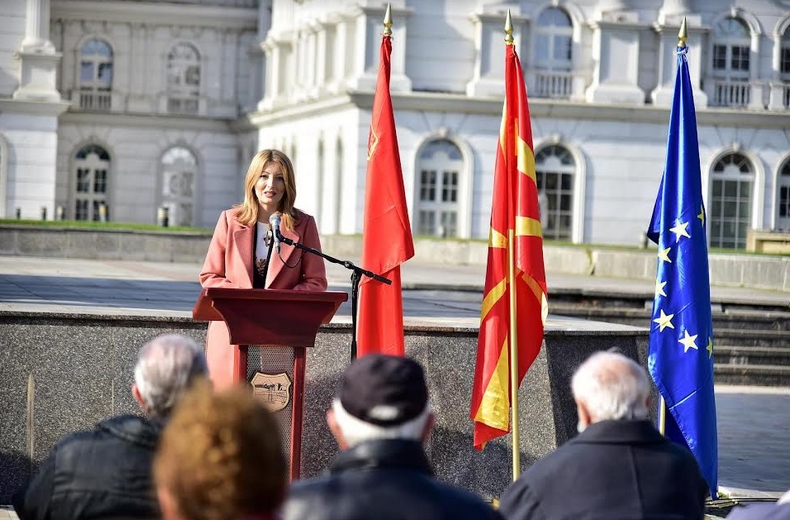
(166, 366)
(220, 458)
(612, 386)
(382, 397)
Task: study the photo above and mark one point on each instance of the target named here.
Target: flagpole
(513, 343)
(683, 35)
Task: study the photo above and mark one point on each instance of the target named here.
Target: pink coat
(229, 263)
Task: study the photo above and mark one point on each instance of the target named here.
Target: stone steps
(752, 345)
(753, 375)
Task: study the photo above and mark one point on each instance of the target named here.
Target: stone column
(39, 59)
(616, 51)
(489, 72)
(667, 63)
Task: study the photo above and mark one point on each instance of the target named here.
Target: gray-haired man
(619, 466)
(106, 472)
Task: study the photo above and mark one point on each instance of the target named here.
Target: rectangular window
(100, 181)
(785, 61)
(83, 180)
(81, 209)
(86, 72)
(542, 48)
(448, 228)
(105, 75)
(562, 48)
(740, 58)
(719, 57)
(428, 185)
(449, 186)
(426, 224)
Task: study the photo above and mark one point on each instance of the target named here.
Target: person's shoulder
(302, 215)
(309, 496)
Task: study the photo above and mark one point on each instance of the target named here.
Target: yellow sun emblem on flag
(373, 140)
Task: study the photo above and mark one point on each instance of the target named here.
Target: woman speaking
(239, 250)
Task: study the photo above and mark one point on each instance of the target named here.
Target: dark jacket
(96, 473)
(614, 470)
(382, 480)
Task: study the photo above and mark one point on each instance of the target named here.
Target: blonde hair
(220, 456)
(247, 213)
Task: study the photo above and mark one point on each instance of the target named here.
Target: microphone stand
(356, 276)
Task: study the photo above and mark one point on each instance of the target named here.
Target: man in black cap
(380, 417)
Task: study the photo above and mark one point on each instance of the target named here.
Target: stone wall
(81, 369)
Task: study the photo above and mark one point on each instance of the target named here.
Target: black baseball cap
(384, 390)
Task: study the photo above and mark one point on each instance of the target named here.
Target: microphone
(274, 220)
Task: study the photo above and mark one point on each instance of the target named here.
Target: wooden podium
(271, 329)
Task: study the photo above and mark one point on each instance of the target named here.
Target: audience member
(220, 458)
(619, 466)
(380, 418)
(106, 472)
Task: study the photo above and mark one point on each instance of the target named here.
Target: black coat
(614, 470)
(383, 480)
(96, 473)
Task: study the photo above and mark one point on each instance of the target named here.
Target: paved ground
(754, 445)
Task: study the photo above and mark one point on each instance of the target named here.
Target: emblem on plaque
(273, 390)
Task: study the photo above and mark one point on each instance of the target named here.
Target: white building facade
(113, 109)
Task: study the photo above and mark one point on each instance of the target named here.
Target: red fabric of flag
(514, 209)
(386, 237)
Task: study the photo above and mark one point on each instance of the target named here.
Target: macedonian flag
(515, 236)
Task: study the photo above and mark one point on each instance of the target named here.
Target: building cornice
(156, 13)
(444, 102)
(39, 108)
(168, 121)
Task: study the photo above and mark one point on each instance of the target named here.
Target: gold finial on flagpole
(683, 34)
(388, 21)
(508, 29)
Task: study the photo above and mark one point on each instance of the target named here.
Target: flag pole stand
(513, 344)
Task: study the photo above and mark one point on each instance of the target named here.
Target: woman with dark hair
(237, 256)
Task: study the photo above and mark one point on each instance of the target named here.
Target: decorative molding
(39, 108)
(164, 14)
(432, 102)
(166, 121)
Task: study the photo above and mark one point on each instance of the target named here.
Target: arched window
(732, 180)
(95, 75)
(179, 170)
(183, 79)
(731, 41)
(553, 54)
(783, 186)
(90, 185)
(554, 172)
(440, 164)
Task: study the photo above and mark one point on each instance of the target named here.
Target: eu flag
(680, 358)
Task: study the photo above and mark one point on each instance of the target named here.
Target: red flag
(514, 210)
(386, 236)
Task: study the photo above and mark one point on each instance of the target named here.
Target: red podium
(272, 329)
